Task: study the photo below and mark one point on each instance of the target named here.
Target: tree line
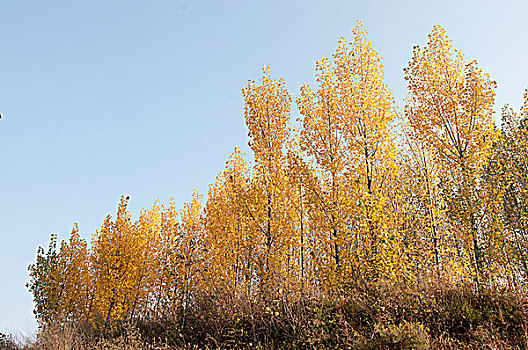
(355, 191)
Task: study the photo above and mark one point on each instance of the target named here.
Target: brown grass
(375, 316)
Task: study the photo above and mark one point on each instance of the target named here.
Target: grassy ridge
(376, 316)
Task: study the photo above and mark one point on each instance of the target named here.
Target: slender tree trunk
(433, 222)
(302, 243)
(112, 302)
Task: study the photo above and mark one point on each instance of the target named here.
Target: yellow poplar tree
(507, 172)
(191, 252)
(367, 107)
(425, 211)
(168, 266)
(228, 246)
(267, 113)
(300, 177)
(347, 130)
(449, 105)
(118, 250)
(74, 271)
(321, 138)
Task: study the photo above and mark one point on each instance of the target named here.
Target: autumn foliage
(358, 193)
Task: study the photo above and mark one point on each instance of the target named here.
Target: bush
(404, 336)
(7, 342)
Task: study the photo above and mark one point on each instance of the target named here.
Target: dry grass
(376, 316)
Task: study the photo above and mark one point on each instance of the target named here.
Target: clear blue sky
(104, 98)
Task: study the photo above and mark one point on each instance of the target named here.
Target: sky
(143, 98)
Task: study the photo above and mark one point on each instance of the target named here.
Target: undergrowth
(375, 316)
